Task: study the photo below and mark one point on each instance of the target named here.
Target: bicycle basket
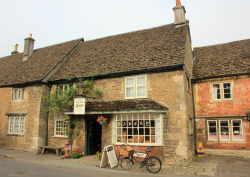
(126, 151)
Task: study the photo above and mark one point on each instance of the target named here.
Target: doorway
(93, 137)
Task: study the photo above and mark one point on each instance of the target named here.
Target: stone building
(146, 94)
(23, 85)
(222, 97)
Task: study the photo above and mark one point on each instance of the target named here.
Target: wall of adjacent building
(207, 109)
(33, 135)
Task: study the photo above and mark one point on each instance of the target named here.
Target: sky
(57, 21)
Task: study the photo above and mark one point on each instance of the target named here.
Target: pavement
(201, 166)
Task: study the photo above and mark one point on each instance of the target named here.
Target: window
(61, 128)
(135, 87)
(16, 125)
(62, 88)
(137, 128)
(228, 130)
(18, 93)
(222, 91)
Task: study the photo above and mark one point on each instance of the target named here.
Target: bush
(76, 154)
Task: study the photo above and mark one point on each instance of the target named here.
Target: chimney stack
(28, 47)
(15, 50)
(179, 13)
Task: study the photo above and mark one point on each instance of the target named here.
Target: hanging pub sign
(79, 106)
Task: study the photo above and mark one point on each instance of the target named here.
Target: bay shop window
(225, 130)
(143, 128)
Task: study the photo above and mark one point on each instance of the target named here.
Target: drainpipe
(195, 138)
(47, 119)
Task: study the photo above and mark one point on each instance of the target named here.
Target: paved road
(11, 167)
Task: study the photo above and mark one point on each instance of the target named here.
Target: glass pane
(227, 90)
(216, 91)
(130, 81)
(130, 92)
(237, 130)
(141, 91)
(141, 80)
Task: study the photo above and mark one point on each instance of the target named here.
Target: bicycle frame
(142, 164)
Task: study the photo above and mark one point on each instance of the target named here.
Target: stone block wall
(31, 106)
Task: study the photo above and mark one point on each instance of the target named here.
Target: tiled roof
(158, 47)
(221, 60)
(124, 105)
(13, 70)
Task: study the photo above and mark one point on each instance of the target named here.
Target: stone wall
(31, 106)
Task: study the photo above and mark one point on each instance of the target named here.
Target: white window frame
(209, 131)
(60, 130)
(18, 94)
(65, 87)
(135, 86)
(222, 93)
(241, 130)
(16, 125)
(220, 132)
(230, 128)
(154, 138)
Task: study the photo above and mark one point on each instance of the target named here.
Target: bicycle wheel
(153, 164)
(126, 163)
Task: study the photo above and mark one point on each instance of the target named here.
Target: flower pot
(101, 122)
(66, 122)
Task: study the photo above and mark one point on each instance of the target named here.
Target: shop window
(136, 87)
(137, 129)
(61, 128)
(222, 91)
(226, 129)
(16, 125)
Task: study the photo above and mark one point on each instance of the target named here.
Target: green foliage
(76, 154)
(61, 99)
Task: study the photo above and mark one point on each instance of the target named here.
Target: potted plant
(102, 120)
(76, 154)
(99, 155)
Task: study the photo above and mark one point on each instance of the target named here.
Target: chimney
(15, 50)
(179, 13)
(28, 47)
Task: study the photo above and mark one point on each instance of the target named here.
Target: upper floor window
(225, 130)
(136, 87)
(222, 91)
(62, 88)
(18, 93)
(16, 125)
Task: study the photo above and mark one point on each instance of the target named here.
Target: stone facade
(32, 107)
(235, 108)
(166, 88)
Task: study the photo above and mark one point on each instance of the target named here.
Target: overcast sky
(56, 21)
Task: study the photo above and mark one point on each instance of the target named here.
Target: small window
(222, 91)
(61, 128)
(237, 129)
(212, 130)
(224, 130)
(16, 125)
(18, 93)
(135, 87)
(63, 88)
